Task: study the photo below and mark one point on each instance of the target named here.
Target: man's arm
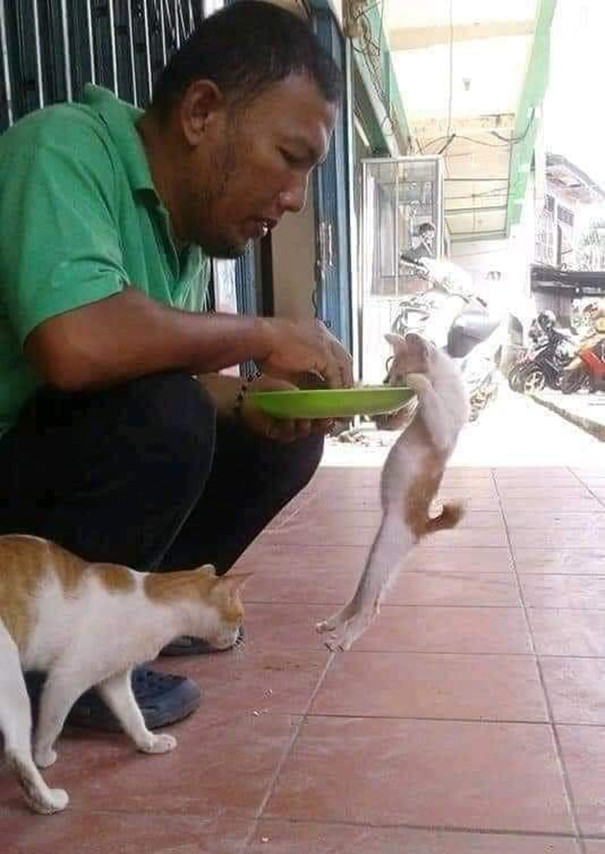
(129, 335)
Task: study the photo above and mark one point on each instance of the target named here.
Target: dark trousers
(145, 475)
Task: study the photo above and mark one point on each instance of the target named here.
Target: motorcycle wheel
(573, 381)
(513, 377)
(532, 379)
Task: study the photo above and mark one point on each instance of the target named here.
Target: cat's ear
(396, 341)
(417, 344)
(234, 583)
(209, 569)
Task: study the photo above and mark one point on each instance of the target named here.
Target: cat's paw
(419, 382)
(44, 757)
(53, 800)
(325, 626)
(345, 636)
(333, 622)
(163, 743)
(59, 799)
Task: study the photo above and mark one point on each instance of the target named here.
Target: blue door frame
(332, 297)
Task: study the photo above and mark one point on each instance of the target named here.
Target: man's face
(253, 166)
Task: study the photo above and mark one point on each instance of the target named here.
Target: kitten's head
(411, 355)
(225, 597)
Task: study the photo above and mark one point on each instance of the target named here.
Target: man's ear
(199, 105)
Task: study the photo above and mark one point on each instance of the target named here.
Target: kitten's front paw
(44, 757)
(419, 382)
(159, 744)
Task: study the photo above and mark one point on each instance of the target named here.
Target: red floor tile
(564, 591)
(578, 522)
(411, 685)
(556, 561)
(554, 504)
(253, 680)
(468, 538)
(557, 538)
(75, 832)
(576, 689)
(461, 630)
(583, 749)
(282, 837)
(430, 773)
(267, 557)
(438, 559)
(327, 532)
(595, 846)
(454, 588)
(568, 632)
(222, 764)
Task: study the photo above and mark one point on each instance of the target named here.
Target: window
(565, 215)
(549, 204)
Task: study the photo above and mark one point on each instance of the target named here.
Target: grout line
(434, 828)
(273, 781)
(555, 736)
(590, 489)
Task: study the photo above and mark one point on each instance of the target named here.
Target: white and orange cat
(88, 625)
(410, 478)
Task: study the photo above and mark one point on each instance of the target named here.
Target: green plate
(332, 403)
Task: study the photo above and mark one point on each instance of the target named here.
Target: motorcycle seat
(468, 330)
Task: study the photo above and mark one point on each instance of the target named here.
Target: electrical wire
(451, 93)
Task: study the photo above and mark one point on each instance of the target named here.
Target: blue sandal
(162, 698)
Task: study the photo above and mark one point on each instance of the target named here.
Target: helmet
(547, 319)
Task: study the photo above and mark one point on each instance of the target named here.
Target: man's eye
(290, 159)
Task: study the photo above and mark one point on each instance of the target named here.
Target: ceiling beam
(464, 124)
(418, 38)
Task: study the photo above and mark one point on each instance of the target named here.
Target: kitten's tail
(449, 517)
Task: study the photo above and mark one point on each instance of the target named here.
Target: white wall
(294, 255)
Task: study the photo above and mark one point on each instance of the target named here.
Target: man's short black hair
(243, 49)
(426, 226)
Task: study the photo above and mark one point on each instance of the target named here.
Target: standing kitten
(89, 624)
(410, 478)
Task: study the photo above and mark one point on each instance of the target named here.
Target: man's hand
(306, 346)
(281, 430)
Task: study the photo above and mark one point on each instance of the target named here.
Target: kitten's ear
(234, 583)
(209, 569)
(396, 341)
(417, 344)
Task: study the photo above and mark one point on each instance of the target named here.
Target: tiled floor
(470, 719)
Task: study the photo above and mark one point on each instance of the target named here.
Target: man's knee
(302, 461)
(172, 420)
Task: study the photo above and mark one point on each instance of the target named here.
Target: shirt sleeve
(59, 239)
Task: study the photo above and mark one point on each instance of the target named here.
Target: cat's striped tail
(449, 517)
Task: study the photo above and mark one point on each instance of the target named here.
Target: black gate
(51, 48)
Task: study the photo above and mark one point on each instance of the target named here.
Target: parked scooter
(458, 321)
(544, 365)
(587, 369)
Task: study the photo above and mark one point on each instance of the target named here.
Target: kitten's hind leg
(16, 725)
(117, 693)
(336, 619)
(391, 544)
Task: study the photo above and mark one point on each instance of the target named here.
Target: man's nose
(294, 198)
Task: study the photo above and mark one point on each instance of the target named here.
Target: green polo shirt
(79, 220)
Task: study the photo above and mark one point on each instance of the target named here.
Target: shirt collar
(120, 119)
